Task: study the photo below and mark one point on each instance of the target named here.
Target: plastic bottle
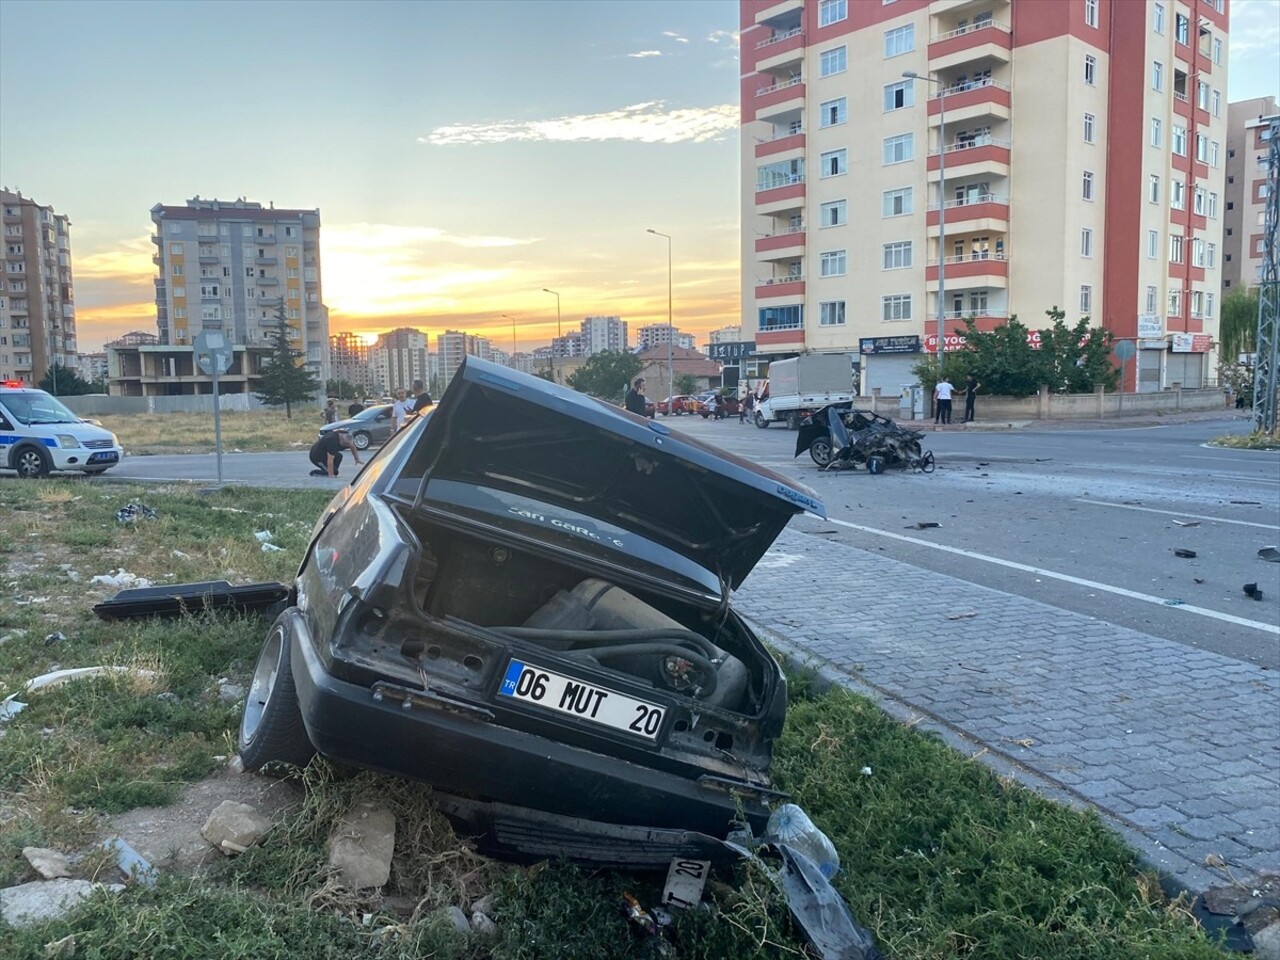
(789, 824)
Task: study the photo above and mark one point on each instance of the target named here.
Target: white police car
(39, 434)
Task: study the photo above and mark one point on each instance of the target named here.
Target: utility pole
(1266, 373)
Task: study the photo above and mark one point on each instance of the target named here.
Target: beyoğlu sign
(870, 345)
(956, 341)
(731, 350)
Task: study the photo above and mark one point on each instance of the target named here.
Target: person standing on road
(400, 409)
(422, 397)
(356, 407)
(330, 412)
(971, 386)
(744, 407)
(326, 453)
(635, 402)
(942, 401)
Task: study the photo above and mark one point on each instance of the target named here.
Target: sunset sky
(463, 155)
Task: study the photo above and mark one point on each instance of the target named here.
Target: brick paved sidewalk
(1177, 748)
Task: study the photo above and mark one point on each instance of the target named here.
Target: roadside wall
(1070, 406)
(103, 405)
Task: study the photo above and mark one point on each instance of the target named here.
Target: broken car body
(523, 601)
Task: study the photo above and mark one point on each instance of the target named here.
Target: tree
(285, 378)
(1076, 359)
(343, 389)
(1238, 328)
(686, 383)
(606, 374)
(62, 381)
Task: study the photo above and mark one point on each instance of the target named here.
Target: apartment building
(572, 344)
(453, 345)
(1249, 132)
(349, 359)
(604, 333)
(398, 358)
(37, 301)
(888, 187)
(655, 334)
(231, 265)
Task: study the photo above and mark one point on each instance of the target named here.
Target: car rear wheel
(361, 439)
(820, 451)
(31, 463)
(271, 729)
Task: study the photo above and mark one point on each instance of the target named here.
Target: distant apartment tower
(231, 265)
(1090, 177)
(349, 359)
(453, 345)
(603, 333)
(1248, 144)
(572, 344)
(398, 358)
(37, 300)
(653, 334)
(731, 334)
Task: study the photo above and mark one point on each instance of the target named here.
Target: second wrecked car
(523, 601)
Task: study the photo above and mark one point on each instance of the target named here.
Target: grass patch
(941, 859)
(1258, 440)
(141, 433)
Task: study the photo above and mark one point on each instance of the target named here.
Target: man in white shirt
(942, 401)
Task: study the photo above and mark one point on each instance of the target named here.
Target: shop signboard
(1150, 325)
(731, 350)
(873, 345)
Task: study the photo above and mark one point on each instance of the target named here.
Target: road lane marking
(1065, 578)
(1176, 513)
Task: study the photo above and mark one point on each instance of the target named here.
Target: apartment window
(1090, 69)
(1217, 50)
(179, 292)
(210, 313)
(1213, 206)
(1086, 242)
(899, 95)
(1178, 142)
(835, 163)
(246, 229)
(897, 256)
(1214, 148)
(831, 313)
(1201, 198)
(1086, 298)
(1157, 18)
(1177, 194)
(1181, 28)
(832, 264)
(175, 228)
(1217, 103)
(1175, 303)
(1153, 189)
(179, 313)
(833, 61)
(833, 214)
(1157, 75)
(1157, 132)
(290, 251)
(901, 40)
(1091, 13)
(175, 269)
(175, 249)
(1197, 252)
(896, 203)
(895, 307)
(832, 11)
(899, 149)
(1086, 185)
(1152, 294)
(1208, 304)
(1175, 249)
(1153, 245)
(208, 290)
(832, 112)
(1088, 128)
(1211, 255)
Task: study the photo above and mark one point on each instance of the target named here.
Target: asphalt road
(1083, 519)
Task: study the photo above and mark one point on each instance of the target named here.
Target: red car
(677, 405)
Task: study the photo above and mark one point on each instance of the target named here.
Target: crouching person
(326, 453)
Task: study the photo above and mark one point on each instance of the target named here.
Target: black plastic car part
(175, 599)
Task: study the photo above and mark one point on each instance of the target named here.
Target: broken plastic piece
(821, 913)
(790, 825)
(179, 598)
(1185, 554)
(131, 863)
(1269, 553)
(1251, 590)
(1187, 523)
(133, 511)
(926, 524)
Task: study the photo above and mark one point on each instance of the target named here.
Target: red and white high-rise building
(1083, 151)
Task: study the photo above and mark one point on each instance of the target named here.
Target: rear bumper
(462, 750)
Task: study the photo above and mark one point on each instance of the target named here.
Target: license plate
(685, 880)
(575, 698)
(110, 456)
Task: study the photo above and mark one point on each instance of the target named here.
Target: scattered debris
(30, 903)
(1251, 590)
(926, 524)
(120, 579)
(1185, 554)
(1174, 602)
(53, 638)
(974, 669)
(50, 864)
(132, 864)
(1269, 553)
(821, 913)
(271, 548)
(361, 845)
(179, 555)
(70, 572)
(62, 949)
(264, 536)
(647, 923)
(686, 880)
(230, 692)
(1246, 503)
(865, 771)
(1187, 523)
(962, 616)
(1198, 579)
(79, 673)
(233, 827)
(134, 511)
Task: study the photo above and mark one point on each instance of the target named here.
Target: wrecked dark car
(523, 602)
(841, 437)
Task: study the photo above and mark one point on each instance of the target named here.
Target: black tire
(793, 420)
(820, 451)
(31, 462)
(361, 439)
(875, 463)
(761, 422)
(271, 728)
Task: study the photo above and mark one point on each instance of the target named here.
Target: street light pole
(671, 330)
(507, 316)
(558, 334)
(942, 208)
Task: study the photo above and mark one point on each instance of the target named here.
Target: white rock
(31, 903)
(230, 693)
(480, 923)
(50, 864)
(233, 826)
(361, 845)
(459, 919)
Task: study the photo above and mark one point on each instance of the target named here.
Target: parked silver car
(371, 427)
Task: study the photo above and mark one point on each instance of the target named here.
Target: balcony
(267, 281)
(779, 197)
(781, 246)
(767, 148)
(264, 238)
(778, 99)
(269, 260)
(986, 40)
(209, 258)
(784, 11)
(972, 270)
(974, 158)
(983, 213)
(781, 49)
(777, 287)
(972, 101)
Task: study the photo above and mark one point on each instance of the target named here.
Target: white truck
(798, 386)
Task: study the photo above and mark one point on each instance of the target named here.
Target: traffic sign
(213, 352)
(1124, 350)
